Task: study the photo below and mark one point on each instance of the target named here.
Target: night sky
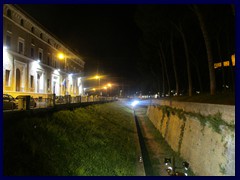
(106, 36)
(122, 41)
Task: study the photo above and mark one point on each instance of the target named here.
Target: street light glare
(134, 103)
(97, 77)
(61, 56)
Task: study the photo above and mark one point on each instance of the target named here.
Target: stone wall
(227, 111)
(210, 152)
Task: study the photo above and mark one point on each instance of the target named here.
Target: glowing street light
(61, 56)
(98, 77)
(109, 85)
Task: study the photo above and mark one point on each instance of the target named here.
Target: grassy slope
(223, 98)
(81, 142)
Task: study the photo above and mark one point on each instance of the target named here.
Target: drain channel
(145, 155)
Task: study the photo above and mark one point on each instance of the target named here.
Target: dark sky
(108, 38)
(104, 35)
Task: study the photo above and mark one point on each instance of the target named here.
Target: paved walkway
(153, 147)
(154, 152)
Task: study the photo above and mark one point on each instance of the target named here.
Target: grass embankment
(96, 140)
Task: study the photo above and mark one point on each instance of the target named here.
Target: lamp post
(105, 87)
(110, 85)
(98, 77)
(61, 56)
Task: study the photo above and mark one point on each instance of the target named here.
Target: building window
(8, 41)
(31, 81)
(22, 22)
(9, 28)
(40, 54)
(41, 35)
(32, 29)
(7, 77)
(32, 52)
(20, 45)
(9, 13)
(48, 84)
(48, 59)
(54, 63)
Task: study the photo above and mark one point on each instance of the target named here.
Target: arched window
(9, 13)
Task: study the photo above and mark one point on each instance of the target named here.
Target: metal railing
(52, 101)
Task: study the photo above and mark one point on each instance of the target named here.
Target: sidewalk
(155, 152)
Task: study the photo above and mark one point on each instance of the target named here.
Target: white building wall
(28, 65)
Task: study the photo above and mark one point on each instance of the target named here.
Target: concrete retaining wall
(227, 111)
(210, 153)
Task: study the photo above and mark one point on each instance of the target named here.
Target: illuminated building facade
(34, 61)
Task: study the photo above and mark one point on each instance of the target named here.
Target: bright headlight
(134, 103)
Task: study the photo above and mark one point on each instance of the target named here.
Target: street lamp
(98, 77)
(109, 85)
(61, 56)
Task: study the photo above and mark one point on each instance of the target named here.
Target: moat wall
(203, 134)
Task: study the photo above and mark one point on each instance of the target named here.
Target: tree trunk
(188, 63)
(196, 64)
(222, 67)
(209, 50)
(232, 86)
(165, 67)
(163, 77)
(174, 66)
(233, 9)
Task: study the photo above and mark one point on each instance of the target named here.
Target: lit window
(7, 76)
